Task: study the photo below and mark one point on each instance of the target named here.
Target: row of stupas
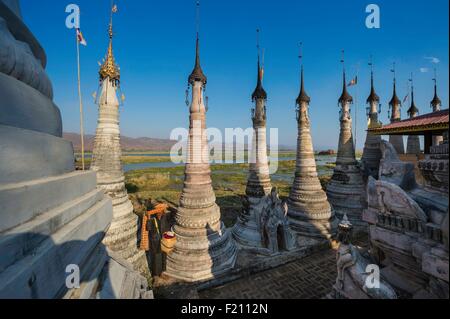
(205, 248)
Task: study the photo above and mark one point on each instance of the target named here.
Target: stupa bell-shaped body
(372, 153)
(205, 248)
(106, 161)
(309, 211)
(346, 188)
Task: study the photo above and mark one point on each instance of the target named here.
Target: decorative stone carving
(407, 241)
(18, 60)
(352, 265)
(273, 224)
(393, 170)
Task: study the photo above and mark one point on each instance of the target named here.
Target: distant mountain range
(127, 143)
(136, 144)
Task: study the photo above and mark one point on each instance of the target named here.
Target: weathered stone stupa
(346, 188)
(436, 106)
(395, 104)
(262, 225)
(413, 143)
(310, 213)
(247, 231)
(52, 218)
(106, 161)
(372, 154)
(205, 248)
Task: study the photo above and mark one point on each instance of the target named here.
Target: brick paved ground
(308, 278)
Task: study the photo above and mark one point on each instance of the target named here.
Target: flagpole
(81, 104)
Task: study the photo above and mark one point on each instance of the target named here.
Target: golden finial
(109, 68)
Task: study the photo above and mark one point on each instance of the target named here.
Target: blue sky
(155, 41)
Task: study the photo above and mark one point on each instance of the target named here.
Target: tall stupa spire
(413, 142)
(302, 96)
(309, 211)
(346, 188)
(106, 161)
(436, 101)
(373, 97)
(413, 111)
(395, 104)
(436, 106)
(345, 96)
(204, 247)
(197, 73)
(249, 230)
(259, 92)
(372, 153)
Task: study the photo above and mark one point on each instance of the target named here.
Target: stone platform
(247, 264)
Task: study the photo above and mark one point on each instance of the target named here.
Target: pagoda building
(436, 107)
(346, 188)
(372, 153)
(106, 161)
(309, 211)
(395, 109)
(247, 231)
(413, 143)
(205, 248)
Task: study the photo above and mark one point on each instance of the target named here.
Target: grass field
(229, 182)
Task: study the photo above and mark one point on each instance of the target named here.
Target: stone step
(28, 155)
(19, 241)
(41, 274)
(21, 202)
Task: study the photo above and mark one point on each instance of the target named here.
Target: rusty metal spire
(345, 96)
(302, 97)
(436, 102)
(373, 97)
(259, 92)
(197, 73)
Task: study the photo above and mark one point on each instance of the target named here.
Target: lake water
(320, 161)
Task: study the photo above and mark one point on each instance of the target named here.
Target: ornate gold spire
(109, 68)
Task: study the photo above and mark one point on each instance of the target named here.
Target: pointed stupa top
(395, 100)
(302, 97)
(259, 92)
(109, 68)
(373, 97)
(436, 101)
(413, 108)
(345, 96)
(197, 74)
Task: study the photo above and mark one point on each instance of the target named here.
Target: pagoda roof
(436, 122)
